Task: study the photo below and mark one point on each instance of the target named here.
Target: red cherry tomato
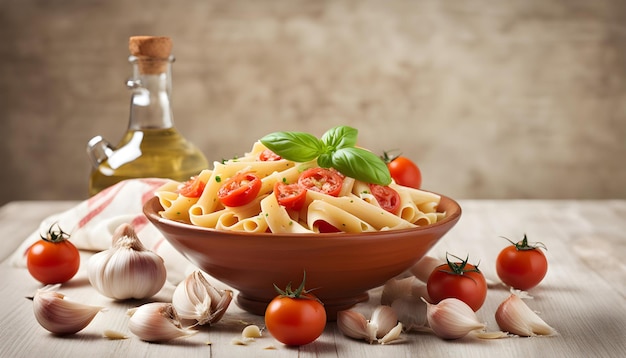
(522, 265)
(295, 318)
(322, 180)
(53, 259)
(239, 190)
(387, 197)
(192, 188)
(403, 171)
(269, 156)
(459, 280)
(291, 196)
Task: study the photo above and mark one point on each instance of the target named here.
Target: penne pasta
(354, 209)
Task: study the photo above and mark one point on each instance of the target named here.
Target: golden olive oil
(158, 153)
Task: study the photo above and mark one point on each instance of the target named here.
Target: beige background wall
(493, 99)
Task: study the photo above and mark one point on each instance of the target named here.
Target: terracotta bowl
(340, 267)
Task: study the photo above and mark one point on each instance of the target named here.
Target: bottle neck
(151, 87)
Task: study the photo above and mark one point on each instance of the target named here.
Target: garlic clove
(127, 270)
(514, 316)
(424, 267)
(113, 335)
(195, 298)
(385, 319)
(156, 322)
(411, 311)
(250, 332)
(398, 288)
(452, 318)
(392, 335)
(354, 325)
(60, 315)
(222, 305)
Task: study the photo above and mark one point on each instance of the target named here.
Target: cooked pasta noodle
(355, 209)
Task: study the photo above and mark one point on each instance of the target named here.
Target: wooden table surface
(582, 296)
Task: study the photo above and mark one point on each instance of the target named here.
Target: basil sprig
(336, 149)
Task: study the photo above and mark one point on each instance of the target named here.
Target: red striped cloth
(92, 222)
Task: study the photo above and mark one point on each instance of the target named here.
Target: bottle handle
(98, 150)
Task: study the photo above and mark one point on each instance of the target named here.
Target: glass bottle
(151, 146)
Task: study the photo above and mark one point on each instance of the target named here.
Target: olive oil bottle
(152, 146)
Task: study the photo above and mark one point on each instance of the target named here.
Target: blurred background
(492, 99)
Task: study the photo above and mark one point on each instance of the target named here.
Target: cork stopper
(152, 51)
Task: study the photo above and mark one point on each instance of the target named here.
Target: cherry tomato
(295, 318)
(269, 156)
(459, 280)
(239, 190)
(53, 259)
(403, 171)
(322, 180)
(522, 265)
(291, 196)
(387, 197)
(192, 188)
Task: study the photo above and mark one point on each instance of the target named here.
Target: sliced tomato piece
(387, 197)
(269, 156)
(322, 180)
(192, 188)
(239, 190)
(291, 196)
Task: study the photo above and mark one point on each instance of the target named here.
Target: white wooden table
(583, 295)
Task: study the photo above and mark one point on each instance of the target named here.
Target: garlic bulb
(514, 316)
(60, 315)
(452, 318)
(383, 326)
(156, 322)
(127, 269)
(195, 298)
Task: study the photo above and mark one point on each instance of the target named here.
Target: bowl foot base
(257, 306)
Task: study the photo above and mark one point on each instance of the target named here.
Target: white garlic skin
(127, 270)
(514, 316)
(156, 322)
(452, 318)
(61, 316)
(195, 298)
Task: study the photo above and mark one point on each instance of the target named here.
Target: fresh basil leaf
(340, 137)
(294, 146)
(325, 160)
(362, 165)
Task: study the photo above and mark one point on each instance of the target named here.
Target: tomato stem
(459, 268)
(55, 236)
(299, 292)
(387, 157)
(525, 245)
